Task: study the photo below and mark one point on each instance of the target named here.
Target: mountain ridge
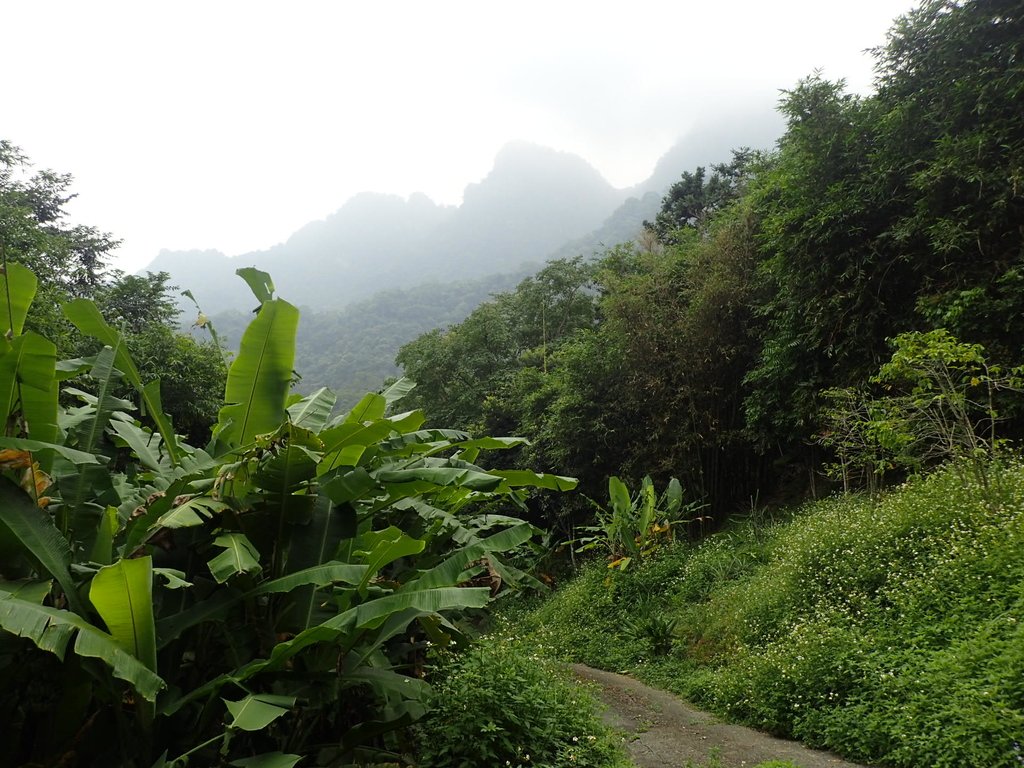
(535, 203)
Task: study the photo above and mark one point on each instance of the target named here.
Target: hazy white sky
(229, 124)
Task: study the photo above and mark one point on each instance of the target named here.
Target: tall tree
(68, 260)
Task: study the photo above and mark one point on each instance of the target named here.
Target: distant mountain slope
(352, 350)
(532, 201)
(705, 146)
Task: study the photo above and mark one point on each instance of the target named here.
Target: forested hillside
(352, 350)
(714, 349)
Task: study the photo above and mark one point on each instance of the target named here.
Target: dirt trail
(665, 732)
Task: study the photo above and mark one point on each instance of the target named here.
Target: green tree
(657, 388)
(191, 373)
(134, 303)
(828, 295)
(951, 149)
(459, 369)
(242, 603)
(893, 213)
(67, 259)
(692, 201)
(70, 262)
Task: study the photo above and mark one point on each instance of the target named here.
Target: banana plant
(234, 602)
(631, 527)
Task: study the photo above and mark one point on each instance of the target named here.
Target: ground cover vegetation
(501, 704)
(885, 628)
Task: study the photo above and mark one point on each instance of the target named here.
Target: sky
(228, 124)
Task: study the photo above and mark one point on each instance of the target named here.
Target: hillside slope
(889, 630)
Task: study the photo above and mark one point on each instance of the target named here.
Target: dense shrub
(498, 706)
(590, 620)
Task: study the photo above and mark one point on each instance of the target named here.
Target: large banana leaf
(89, 431)
(345, 444)
(448, 572)
(52, 630)
(319, 576)
(312, 545)
(284, 478)
(267, 760)
(673, 499)
(256, 711)
(144, 444)
(392, 684)
(122, 594)
(618, 495)
(85, 316)
(138, 528)
(36, 532)
(35, 446)
(378, 548)
(367, 615)
(217, 606)
(520, 478)
(213, 608)
(17, 289)
(32, 590)
(239, 556)
(91, 483)
(103, 545)
(428, 477)
(374, 612)
(346, 487)
(28, 384)
(259, 283)
(509, 574)
(397, 391)
(193, 512)
(428, 441)
(371, 408)
(260, 376)
(314, 411)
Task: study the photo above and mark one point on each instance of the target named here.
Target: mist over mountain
(533, 200)
(536, 203)
(705, 145)
(356, 251)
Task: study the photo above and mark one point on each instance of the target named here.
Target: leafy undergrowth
(499, 706)
(888, 630)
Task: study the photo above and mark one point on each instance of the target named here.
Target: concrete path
(665, 732)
